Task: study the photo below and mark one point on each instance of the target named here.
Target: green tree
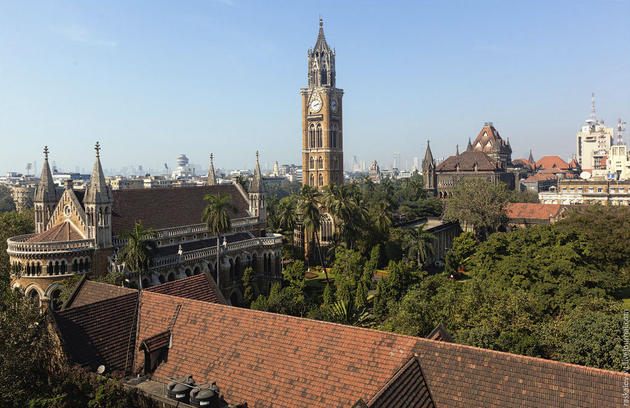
(12, 224)
(478, 203)
(217, 219)
(418, 243)
(348, 312)
(6, 199)
(295, 274)
(463, 248)
(136, 253)
(248, 287)
(308, 207)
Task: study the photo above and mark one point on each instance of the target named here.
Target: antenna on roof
(621, 127)
(593, 116)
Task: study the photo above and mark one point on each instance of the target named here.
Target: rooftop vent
(179, 390)
(207, 397)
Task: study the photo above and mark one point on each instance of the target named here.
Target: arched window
(39, 268)
(312, 180)
(333, 135)
(320, 163)
(63, 267)
(323, 77)
(56, 267)
(312, 163)
(318, 133)
(81, 266)
(75, 266)
(311, 136)
(50, 269)
(320, 181)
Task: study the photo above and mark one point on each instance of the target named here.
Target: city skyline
(146, 90)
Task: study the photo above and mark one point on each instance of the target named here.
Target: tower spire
(428, 155)
(469, 146)
(593, 116)
(457, 150)
(212, 180)
(256, 185)
(98, 191)
(531, 157)
(46, 190)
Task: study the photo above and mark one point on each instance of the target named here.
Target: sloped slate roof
(467, 160)
(101, 332)
(159, 208)
(271, 360)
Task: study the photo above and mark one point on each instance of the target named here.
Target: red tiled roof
(523, 163)
(275, 360)
(156, 342)
(532, 211)
(60, 232)
(197, 287)
(101, 332)
(540, 177)
(88, 291)
(467, 160)
(160, 208)
(406, 389)
(552, 162)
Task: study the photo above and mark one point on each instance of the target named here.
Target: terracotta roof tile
(196, 287)
(274, 360)
(88, 291)
(406, 389)
(159, 208)
(156, 342)
(552, 162)
(101, 332)
(532, 211)
(60, 232)
(440, 333)
(540, 177)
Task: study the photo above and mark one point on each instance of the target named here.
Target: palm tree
(217, 219)
(308, 207)
(380, 216)
(419, 244)
(343, 203)
(286, 214)
(136, 253)
(348, 312)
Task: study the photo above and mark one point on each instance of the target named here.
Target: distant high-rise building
(593, 144)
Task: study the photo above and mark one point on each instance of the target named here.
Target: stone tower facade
(429, 175)
(98, 206)
(45, 198)
(322, 135)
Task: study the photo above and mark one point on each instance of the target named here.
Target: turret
(429, 176)
(256, 193)
(212, 180)
(45, 198)
(321, 62)
(98, 205)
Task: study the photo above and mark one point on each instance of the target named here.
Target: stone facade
(78, 233)
(579, 191)
(322, 134)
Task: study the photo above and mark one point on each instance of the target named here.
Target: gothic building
(79, 232)
(322, 135)
(488, 157)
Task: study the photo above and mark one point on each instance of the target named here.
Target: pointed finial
(97, 147)
(45, 152)
(457, 150)
(211, 156)
(257, 155)
(321, 22)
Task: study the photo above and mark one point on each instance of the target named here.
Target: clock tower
(322, 135)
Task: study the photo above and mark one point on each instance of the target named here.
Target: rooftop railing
(20, 246)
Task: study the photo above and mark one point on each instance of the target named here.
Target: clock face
(333, 105)
(316, 104)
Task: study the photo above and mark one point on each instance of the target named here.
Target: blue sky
(152, 79)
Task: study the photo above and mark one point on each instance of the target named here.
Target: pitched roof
(532, 211)
(60, 232)
(440, 333)
(406, 389)
(552, 162)
(101, 332)
(524, 163)
(159, 208)
(467, 160)
(488, 140)
(428, 155)
(156, 342)
(540, 177)
(320, 44)
(275, 360)
(197, 287)
(88, 291)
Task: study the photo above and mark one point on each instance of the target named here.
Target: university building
(78, 232)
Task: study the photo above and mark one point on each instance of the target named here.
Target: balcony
(18, 246)
(204, 253)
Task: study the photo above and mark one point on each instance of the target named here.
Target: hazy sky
(152, 79)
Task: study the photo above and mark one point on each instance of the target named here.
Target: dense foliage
(6, 199)
(12, 224)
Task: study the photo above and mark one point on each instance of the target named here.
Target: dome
(182, 160)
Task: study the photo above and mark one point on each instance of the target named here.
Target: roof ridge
(405, 336)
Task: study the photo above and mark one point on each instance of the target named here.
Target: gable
(68, 209)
